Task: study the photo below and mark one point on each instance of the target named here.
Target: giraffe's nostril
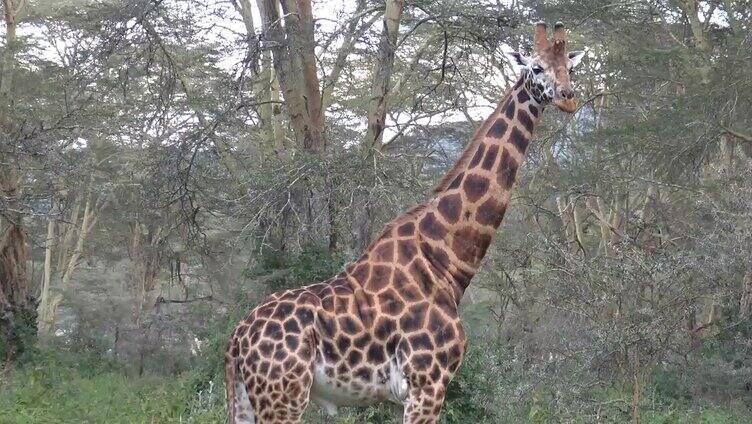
(567, 93)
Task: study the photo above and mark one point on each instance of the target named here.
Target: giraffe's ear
(518, 58)
(576, 57)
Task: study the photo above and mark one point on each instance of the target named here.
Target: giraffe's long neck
(458, 224)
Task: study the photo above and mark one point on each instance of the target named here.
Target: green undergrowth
(68, 388)
(59, 387)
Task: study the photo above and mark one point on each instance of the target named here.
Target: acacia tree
(199, 152)
(613, 254)
(16, 302)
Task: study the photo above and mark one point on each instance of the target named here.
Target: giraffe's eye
(537, 69)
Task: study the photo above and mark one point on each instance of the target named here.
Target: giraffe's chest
(335, 384)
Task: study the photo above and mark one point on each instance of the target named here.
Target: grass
(68, 396)
(66, 388)
(658, 409)
(59, 388)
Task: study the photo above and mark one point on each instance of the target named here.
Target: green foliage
(165, 130)
(315, 264)
(54, 387)
(671, 386)
(23, 333)
(57, 387)
(473, 394)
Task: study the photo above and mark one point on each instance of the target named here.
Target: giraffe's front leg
(424, 404)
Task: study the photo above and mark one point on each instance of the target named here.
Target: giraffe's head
(547, 72)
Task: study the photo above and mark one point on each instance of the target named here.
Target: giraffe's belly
(351, 388)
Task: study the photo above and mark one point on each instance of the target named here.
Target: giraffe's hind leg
(424, 405)
(281, 401)
(239, 410)
(277, 368)
(243, 413)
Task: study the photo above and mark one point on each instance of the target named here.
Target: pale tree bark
(146, 252)
(698, 33)
(277, 129)
(727, 153)
(647, 213)
(67, 229)
(690, 9)
(66, 269)
(16, 303)
(294, 61)
(382, 73)
(244, 8)
(617, 220)
(293, 56)
(380, 86)
(12, 10)
(745, 302)
(568, 220)
(301, 32)
(596, 207)
(265, 85)
(86, 224)
(273, 110)
(577, 221)
(44, 321)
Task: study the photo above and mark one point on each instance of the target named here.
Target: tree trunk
(577, 222)
(76, 256)
(567, 219)
(382, 73)
(636, 392)
(690, 8)
(44, 318)
(278, 133)
(617, 220)
(68, 232)
(380, 85)
(12, 10)
(92, 209)
(701, 41)
(745, 303)
(294, 61)
(265, 87)
(301, 36)
(17, 309)
(146, 256)
(292, 47)
(597, 208)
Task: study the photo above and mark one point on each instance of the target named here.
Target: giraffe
(387, 327)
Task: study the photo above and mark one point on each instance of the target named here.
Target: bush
(55, 387)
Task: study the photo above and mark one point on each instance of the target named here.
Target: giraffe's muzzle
(567, 105)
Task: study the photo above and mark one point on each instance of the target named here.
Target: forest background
(166, 164)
